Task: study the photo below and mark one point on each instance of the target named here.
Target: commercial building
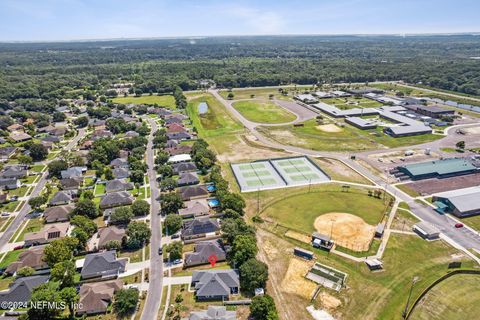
(438, 168)
(431, 111)
(363, 124)
(426, 230)
(462, 202)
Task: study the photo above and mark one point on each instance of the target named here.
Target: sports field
(263, 111)
(277, 173)
(454, 298)
(163, 101)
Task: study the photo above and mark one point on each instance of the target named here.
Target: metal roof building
(438, 168)
(461, 202)
(426, 230)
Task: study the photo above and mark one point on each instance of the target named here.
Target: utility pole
(405, 312)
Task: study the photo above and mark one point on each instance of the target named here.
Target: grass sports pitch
(277, 173)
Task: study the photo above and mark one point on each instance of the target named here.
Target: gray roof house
(187, 179)
(96, 297)
(9, 183)
(193, 192)
(200, 228)
(203, 250)
(63, 197)
(119, 163)
(213, 313)
(73, 172)
(121, 173)
(102, 265)
(21, 289)
(71, 183)
(118, 185)
(57, 213)
(7, 152)
(184, 167)
(215, 284)
(194, 208)
(14, 172)
(116, 199)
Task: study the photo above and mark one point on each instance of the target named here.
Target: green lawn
(216, 122)
(9, 207)
(264, 93)
(5, 282)
(33, 225)
(473, 222)
(164, 101)
(135, 256)
(99, 189)
(263, 111)
(20, 192)
(10, 257)
(299, 212)
(450, 300)
(352, 102)
(29, 179)
(337, 170)
(37, 168)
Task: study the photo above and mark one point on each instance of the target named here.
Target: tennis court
(257, 176)
(277, 173)
(299, 171)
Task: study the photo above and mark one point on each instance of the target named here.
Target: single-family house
(96, 297)
(63, 197)
(184, 167)
(215, 284)
(116, 199)
(200, 228)
(57, 213)
(32, 258)
(9, 183)
(21, 289)
(102, 265)
(193, 192)
(194, 208)
(187, 179)
(118, 185)
(48, 233)
(119, 163)
(203, 251)
(121, 173)
(213, 313)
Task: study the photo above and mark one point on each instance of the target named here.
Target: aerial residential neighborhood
(239, 160)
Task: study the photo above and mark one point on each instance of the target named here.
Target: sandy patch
(472, 130)
(328, 301)
(270, 250)
(329, 128)
(348, 230)
(240, 151)
(295, 282)
(298, 236)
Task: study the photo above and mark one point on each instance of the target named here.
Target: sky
(51, 20)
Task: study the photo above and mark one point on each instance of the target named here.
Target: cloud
(261, 21)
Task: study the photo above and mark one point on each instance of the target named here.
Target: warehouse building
(363, 124)
(431, 111)
(438, 168)
(426, 230)
(462, 202)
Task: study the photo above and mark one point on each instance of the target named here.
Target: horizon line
(192, 37)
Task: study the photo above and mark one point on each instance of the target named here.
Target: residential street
(18, 220)
(154, 293)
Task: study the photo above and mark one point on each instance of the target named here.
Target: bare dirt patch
(329, 128)
(298, 236)
(472, 130)
(239, 150)
(348, 230)
(339, 171)
(294, 280)
(328, 301)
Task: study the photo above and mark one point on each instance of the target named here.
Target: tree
(113, 245)
(70, 296)
(165, 170)
(121, 215)
(82, 237)
(64, 272)
(232, 201)
(138, 233)
(59, 251)
(107, 171)
(173, 223)
(125, 301)
(175, 249)
(24, 159)
(162, 157)
(81, 122)
(57, 166)
(88, 194)
(140, 208)
(171, 202)
(168, 184)
(136, 176)
(86, 207)
(263, 308)
(58, 117)
(47, 295)
(243, 248)
(38, 152)
(253, 274)
(230, 96)
(460, 145)
(25, 271)
(232, 228)
(37, 202)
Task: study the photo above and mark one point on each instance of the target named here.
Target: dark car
(458, 225)
(160, 251)
(175, 236)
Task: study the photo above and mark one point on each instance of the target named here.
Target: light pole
(404, 314)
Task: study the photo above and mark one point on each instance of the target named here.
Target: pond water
(202, 108)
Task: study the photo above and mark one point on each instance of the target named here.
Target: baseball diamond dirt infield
(347, 230)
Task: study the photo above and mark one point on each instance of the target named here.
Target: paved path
(5, 237)
(462, 238)
(154, 293)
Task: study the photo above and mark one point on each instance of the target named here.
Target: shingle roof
(213, 313)
(95, 297)
(62, 197)
(184, 167)
(203, 250)
(21, 289)
(32, 257)
(118, 185)
(187, 178)
(115, 199)
(121, 173)
(111, 233)
(102, 264)
(215, 282)
(193, 192)
(57, 213)
(199, 226)
(198, 207)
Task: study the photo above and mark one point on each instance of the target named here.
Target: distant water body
(202, 108)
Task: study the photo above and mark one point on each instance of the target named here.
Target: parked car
(18, 247)
(160, 251)
(177, 261)
(458, 225)
(5, 214)
(175, 236)
(13, 198)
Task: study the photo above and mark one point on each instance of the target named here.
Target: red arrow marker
(212, 259)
